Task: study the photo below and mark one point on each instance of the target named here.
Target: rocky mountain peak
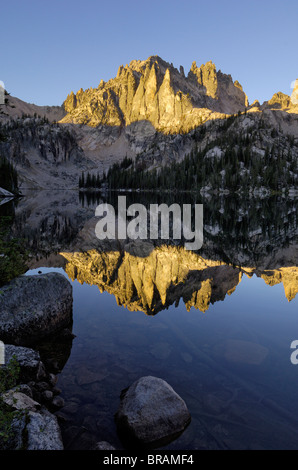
(278, 101)
(283, 101)
(238, 85)
(70, 102)
(206, 77)
(140, 66)
(154, 90)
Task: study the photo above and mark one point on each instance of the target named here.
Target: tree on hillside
(8, 174)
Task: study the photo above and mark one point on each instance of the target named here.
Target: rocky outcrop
(35, 431)
(43, 153)
(228, 95)
(35, 379)
(32, 426)
(33, 307)
(155, 91)
(43, 432)
(151, 412)
(284, 102)
(19, 401)
(278, 101)
(31, 367)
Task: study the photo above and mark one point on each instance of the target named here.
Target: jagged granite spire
(155, 91)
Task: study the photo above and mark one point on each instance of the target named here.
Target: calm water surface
(217, 325)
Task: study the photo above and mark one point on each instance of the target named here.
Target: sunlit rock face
(155, 91)
(220, 87)
(279, 101)
(284, 102)
(288, 276)
(154, 282)
(294, 96)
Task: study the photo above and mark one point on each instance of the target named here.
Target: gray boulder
(19, 401)
(35, 431)
(43, 432)
(151, 412)
(31, 367)
(33, 307)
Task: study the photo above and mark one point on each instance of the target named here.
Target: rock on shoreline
(33, 307)
(36, 431)
(33, 426)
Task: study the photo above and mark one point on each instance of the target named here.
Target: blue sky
(52, 48)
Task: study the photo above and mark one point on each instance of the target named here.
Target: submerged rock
(103, 445)
(33, 307)
(242, 352)
(151, 412)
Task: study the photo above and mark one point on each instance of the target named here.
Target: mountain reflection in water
(154, 282)
(231, 365)
(240, 237)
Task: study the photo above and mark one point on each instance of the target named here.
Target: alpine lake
(217, 324)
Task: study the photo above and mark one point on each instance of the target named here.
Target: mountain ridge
(155, 91)
(150, 112)
(206, 80)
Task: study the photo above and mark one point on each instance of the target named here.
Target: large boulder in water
(151, 412)
(33, 307)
